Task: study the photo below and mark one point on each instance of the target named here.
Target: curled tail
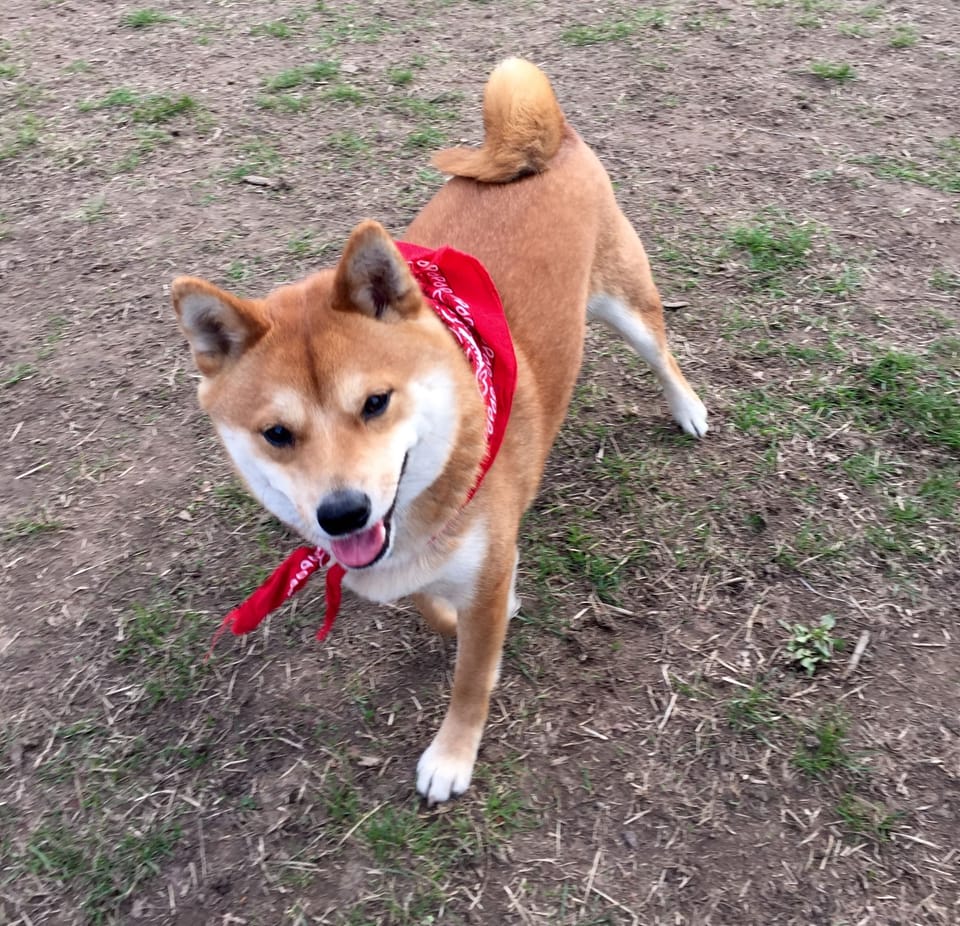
(523, 127)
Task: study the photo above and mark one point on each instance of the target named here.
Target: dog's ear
(373, 278)
(218, 325)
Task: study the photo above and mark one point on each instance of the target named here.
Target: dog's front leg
(446, 767)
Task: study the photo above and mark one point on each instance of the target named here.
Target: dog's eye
(278, 435)
(375, 405)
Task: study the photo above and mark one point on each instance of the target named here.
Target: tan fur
(550, 241)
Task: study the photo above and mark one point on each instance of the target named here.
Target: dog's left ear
(373, 278)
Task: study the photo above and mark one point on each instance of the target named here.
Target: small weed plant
(812, 647)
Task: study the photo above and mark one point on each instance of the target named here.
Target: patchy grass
(344, 93)
(613, 30)
(947, 281)
(753, 712)
(400, 77)
(16, 374)
(861, 817)
(832, 70)
(854, 30)
(25, 528)
(159, 108)
(21, 136)
(824, 749)
(774, 245)
(165, 646)
(94, 209)
(102, 874)
(307, 245)
(145, 18)
(276, 29)
(316, 73)
(292, 103)
(258, 157)
(905, 36)
(425, 139)
(150, 109)
(348, 145)
(941, 172)
(897, 393)
(902, 392)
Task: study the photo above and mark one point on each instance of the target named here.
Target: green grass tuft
(143, 19)
(158, 108)
(258, 157)
(865, 818)
(283, 102)
(774, 245)
(400, 77)
(28, 528)
(824, 749)
(316, 73)
(276, 29)
(152, 109)
(812, 647)
(344, 93)
(425, 138)
(904, 37)
(25, 135)
(832, 70)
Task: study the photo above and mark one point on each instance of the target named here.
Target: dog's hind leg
(438, 613)
(626, 298)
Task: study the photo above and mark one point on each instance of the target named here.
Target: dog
(358, 417)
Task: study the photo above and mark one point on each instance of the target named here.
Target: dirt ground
(656, 753)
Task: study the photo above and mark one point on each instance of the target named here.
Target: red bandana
(465, 299)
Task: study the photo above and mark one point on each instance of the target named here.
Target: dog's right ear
(218, 325)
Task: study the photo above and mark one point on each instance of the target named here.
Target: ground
(730, 697)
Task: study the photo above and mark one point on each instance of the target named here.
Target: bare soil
(653, 756)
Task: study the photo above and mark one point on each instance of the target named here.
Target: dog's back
(530, 205)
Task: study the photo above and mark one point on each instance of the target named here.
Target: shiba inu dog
(360, 418)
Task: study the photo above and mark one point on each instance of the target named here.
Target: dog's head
(337, 397)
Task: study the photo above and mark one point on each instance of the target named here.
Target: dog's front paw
(442, 774)
(690, 413)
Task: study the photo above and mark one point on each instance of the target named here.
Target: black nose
(343, 511)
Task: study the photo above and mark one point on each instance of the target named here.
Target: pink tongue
(361, 549)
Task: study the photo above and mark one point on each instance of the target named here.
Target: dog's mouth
(369, 546)
(364, 548)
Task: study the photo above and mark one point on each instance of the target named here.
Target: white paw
(690, 413)
(440, 776)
